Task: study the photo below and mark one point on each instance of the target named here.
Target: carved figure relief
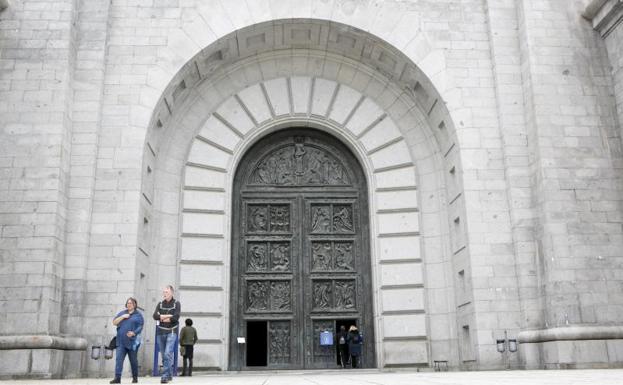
(299, 164)
(345, 294)
(322, 294)
(279, 218)
(344, 256)
(280, 256)
(257, 295)
(321, 219)
(342, 219)
(257, 220)
(280, 295)
(257, 257)
(279, 337)
(321, 256)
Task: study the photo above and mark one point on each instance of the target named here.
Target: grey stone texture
(489, 131)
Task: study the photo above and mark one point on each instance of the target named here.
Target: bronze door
(300, 253)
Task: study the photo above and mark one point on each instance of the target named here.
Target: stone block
(405, 353)
(401, 274)
(208, 328)
(402, 299)
(200, 177)
(391, 200)
(15, 361)
(301, 88)
(254, 100)
(201, 301)
(208, 249)
(209, 356)
(394, 155)
(217, 132)
(322, 97)
(201, 275)
(381, 134)
(204, 200)
(402, 177)
(203, 223)
(398, 223)
(277, 90)
(345, 101)
(367, 113)
(235, 115)
(208, 155)
(393, 248)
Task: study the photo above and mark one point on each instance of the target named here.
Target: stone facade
(489, 133)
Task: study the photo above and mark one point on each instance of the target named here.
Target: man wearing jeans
(167, 313)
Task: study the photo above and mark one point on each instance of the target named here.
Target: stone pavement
(374, 377)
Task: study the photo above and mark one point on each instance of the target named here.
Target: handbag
(113, 343)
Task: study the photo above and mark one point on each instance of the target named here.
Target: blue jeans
(166, 344)
(132, 354)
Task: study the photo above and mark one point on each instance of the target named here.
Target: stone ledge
(571, 333)
(605, 15)
(42, 342)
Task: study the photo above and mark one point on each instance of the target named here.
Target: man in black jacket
(167, 314)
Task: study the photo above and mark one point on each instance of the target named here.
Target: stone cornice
(571, 333)
(605, 15)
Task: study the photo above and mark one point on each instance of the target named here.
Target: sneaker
(115, 381)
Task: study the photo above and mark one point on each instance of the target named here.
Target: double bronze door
(301, 267)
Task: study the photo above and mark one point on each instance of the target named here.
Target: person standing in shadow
(342, 346)
(355, 340)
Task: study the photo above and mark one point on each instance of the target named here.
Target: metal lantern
(500, 345)
(95, 352)
(512, 346)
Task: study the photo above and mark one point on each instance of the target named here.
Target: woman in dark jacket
(355, 340)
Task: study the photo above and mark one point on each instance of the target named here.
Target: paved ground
(374, 377)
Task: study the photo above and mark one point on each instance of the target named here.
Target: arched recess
(357, 87)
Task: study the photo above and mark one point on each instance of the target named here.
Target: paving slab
(373, 377)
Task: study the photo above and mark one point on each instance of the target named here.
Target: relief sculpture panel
(332, 256)
(300, 164)
(332, 219)
(279, 342)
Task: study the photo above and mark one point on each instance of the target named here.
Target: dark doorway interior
(256, 343)
(347, 323)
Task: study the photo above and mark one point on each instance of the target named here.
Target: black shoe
(164, 381)
(135, 380)
(115, 381)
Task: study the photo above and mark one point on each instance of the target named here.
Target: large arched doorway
(300, 252)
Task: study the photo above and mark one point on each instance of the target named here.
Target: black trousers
(187, 368)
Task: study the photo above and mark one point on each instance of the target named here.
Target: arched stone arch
(380, 105)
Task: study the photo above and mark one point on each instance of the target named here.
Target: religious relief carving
(279, 218)
(344, 256)
(279, 337)
(320, 219)
(299, 164)
(321, 256)
(345, 294)
(280, 295)
(257, 295)
(322, 295)
(257, 257)
(257, 218)
(342, 219)
(280, 256)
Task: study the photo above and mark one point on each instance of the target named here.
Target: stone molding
(4, 4)
(42, 342)
(571, 333)
(605, 15)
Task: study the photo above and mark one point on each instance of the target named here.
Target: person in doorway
(355, 340)
(129, 323)
(188, 339)
(167, 314)
(342, 346)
